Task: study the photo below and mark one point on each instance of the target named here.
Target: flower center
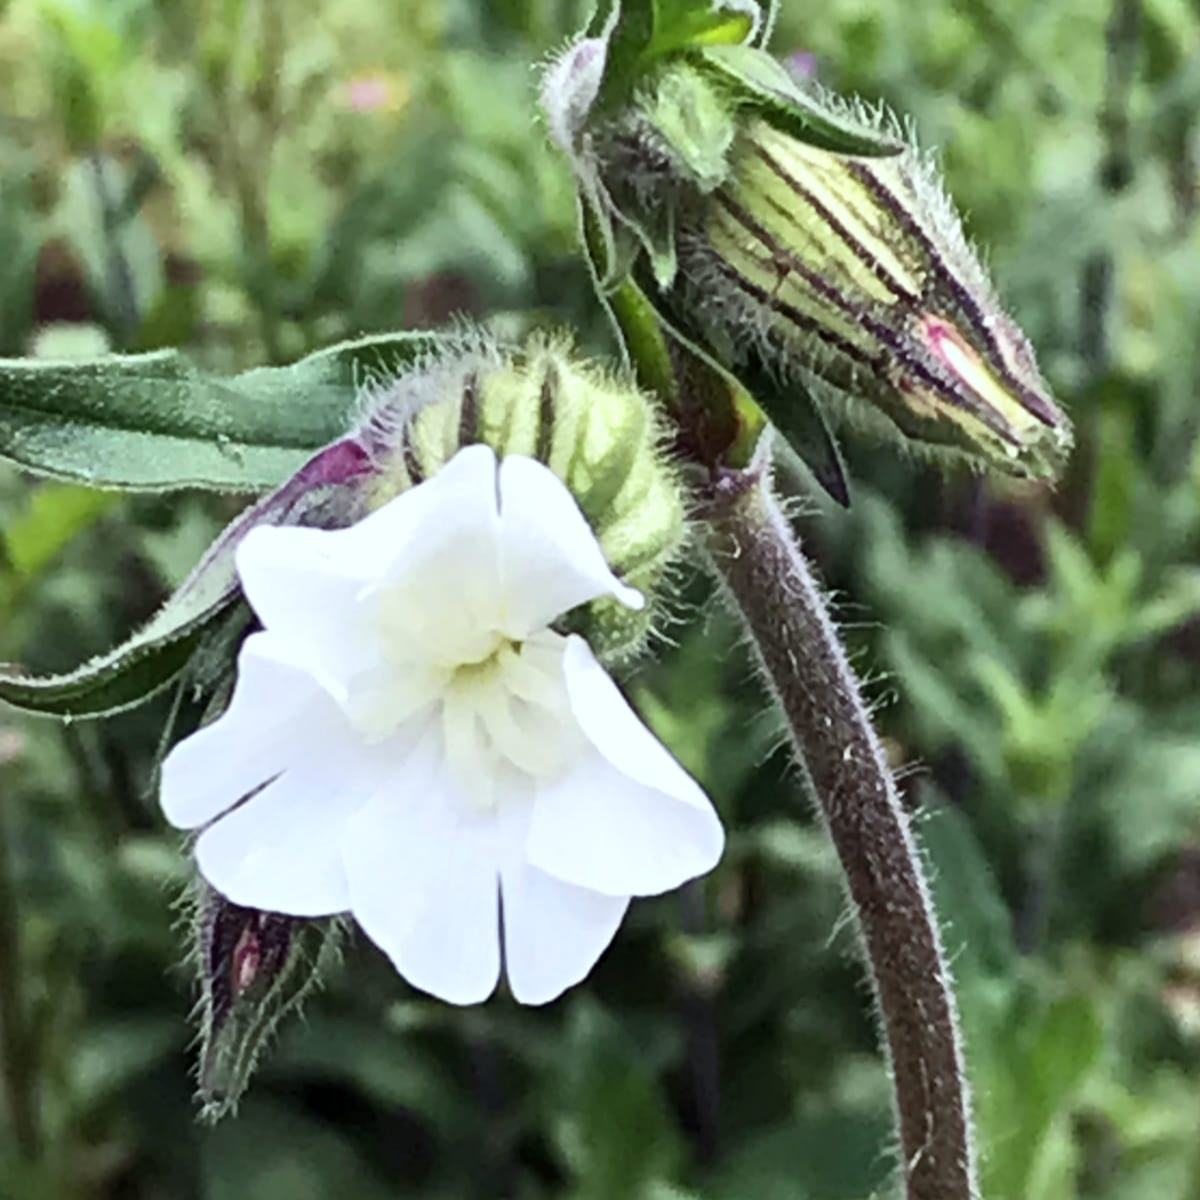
(508, 710)
(501, 702)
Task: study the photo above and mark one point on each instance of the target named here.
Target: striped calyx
(849, 277)
(596, 431)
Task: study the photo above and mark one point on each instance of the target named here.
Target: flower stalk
(765, 575)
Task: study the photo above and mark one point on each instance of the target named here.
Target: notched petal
(554, 932)
(627, 819)
(423, 871)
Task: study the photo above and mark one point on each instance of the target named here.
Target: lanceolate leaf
(156, 422)
(137, 669)
(155, 655)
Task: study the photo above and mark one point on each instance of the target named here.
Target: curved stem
(802, 660)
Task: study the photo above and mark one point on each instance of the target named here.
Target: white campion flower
(410, 741)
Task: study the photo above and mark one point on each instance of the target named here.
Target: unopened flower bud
(254, 967)
(596, 431)
(847, 276)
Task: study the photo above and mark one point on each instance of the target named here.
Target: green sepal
(613, 243)
(634, 320)
(724, 418)
(606, 13)
(696, 121)
(739, 403)
(156, 422)
(761, 81)
(766, 26)
(656, 232)
(804, 429)
(642, 33)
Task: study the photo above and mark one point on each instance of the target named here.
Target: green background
(251, 180)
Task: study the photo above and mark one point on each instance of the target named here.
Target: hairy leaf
(156, 422)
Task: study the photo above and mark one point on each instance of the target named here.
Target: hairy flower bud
(595, 431)
(254, 968)
(845, 276)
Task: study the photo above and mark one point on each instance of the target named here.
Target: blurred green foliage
(252, 180)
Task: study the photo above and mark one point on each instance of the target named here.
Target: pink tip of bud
(947, 344)
(245, 961)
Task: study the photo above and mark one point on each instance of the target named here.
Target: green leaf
(826, 1155)
(977, 926)
(22, 235)
(1032, 1080)
(136, 670)
(275, 1152)
(682, 23)
(394, 1070)
(156, 422)
(604, 1074)
(978, 931)
(764, 83)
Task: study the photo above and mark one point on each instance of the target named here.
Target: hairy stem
(16, 1048)
(765, 574)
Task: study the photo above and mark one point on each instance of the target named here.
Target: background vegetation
(251, 180)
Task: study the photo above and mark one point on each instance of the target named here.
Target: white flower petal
(423, 868)
(281, 850)
(276, 713)
(440, 596)
(598, 829)
(626, 820)
(462, 490)
(618, 732)
(550, 559)
(308, 585)
(553, 931)
(303, 591)
(365, 550)
(407, 621)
